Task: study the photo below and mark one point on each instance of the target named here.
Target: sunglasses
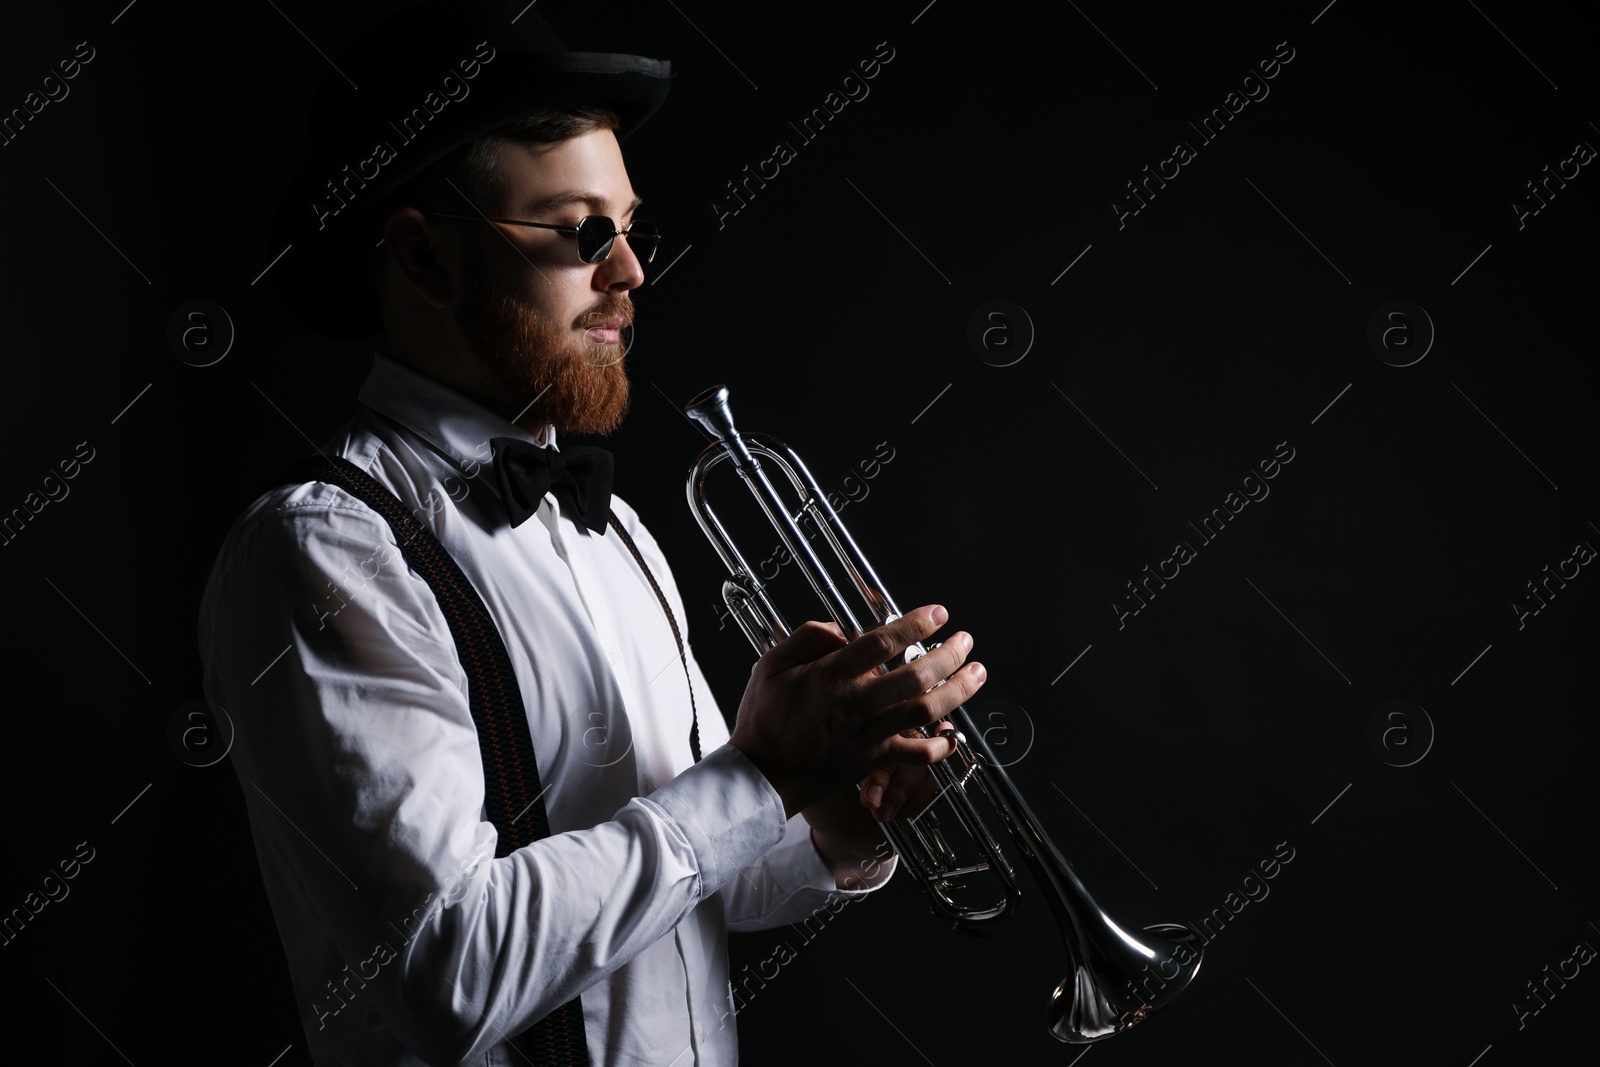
(596, 234)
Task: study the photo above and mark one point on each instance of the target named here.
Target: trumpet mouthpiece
(710, 409)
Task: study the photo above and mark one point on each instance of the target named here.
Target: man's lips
(608, 332)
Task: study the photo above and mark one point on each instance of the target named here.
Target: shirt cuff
(869, 874)
(728, 811)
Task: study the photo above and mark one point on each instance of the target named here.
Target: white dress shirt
(407, 942)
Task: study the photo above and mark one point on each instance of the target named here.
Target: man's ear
(426, 255)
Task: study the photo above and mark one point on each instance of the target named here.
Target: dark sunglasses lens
(644, 238)
(595, 235)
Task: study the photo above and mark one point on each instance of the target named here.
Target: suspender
(513, 797)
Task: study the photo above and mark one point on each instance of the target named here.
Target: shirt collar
(456, 426)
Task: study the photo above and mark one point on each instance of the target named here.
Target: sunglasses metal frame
(602, 253)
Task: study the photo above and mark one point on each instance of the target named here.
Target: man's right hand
(820, 713)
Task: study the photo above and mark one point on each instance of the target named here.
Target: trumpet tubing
(1117, 979)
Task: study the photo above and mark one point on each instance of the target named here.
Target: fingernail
(874, 795)
(978, 671)
(940, 616)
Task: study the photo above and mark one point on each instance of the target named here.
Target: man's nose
(621, 270)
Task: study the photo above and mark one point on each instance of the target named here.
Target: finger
(921, 675)
(917, 751)
(884, 643)
(872, 789)
(931, 706)
(906, 785)
(807, 642)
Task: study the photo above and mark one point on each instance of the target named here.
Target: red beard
(578, 384)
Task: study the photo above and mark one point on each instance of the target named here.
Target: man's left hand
(845, 827)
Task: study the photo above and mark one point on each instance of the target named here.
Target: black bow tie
(580, 476)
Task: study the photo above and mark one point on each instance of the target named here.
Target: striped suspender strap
(513, 797)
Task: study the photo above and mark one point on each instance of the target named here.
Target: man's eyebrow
(594, 200)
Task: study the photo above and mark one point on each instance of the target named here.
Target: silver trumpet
(1118, 979)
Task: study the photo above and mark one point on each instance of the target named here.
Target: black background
(1228, 716)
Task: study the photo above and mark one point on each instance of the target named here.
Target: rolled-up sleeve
(359, 762)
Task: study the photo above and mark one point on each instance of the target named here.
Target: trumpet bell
(1087, 1005)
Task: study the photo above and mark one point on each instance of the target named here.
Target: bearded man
(492, 825)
